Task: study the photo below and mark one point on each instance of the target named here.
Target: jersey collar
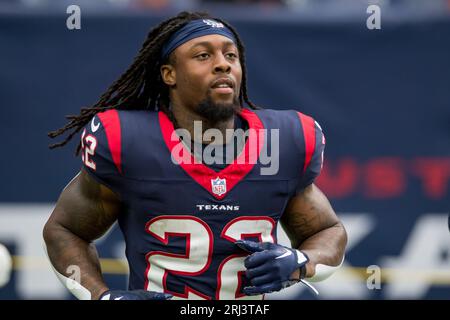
(218, 184)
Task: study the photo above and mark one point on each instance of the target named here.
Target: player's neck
(189, 120)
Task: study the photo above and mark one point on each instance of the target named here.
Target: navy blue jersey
(181, 217)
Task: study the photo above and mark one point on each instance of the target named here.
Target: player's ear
(168, 74)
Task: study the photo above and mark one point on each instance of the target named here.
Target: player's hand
(134, 295)
(270, 266)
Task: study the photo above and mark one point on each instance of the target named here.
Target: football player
(194, 229)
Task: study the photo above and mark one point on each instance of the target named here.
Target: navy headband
(194, 29)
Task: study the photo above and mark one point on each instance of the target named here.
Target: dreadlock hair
(141, 86)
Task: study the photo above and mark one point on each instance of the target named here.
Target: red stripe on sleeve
(111, 122)
(309, 133)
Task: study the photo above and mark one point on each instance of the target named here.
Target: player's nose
(221, 64)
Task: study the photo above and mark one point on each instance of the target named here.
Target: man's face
(207, 77)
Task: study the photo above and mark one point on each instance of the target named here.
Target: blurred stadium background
(381, 96)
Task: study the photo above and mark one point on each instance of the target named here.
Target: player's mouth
(223, 86)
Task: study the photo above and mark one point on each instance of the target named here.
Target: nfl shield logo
(219, 186)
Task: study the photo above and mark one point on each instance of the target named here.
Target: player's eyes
(231, 55)
(202, 56)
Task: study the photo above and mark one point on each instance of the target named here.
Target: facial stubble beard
(214, 112)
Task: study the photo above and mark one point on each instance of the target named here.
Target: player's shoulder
(295, 128)
(126, 123)
(114, 140)
(123, 117)
(286, 119)
(275, 113)
(116, 129)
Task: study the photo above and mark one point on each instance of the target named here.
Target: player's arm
(84, 212)
(317, 236)
(313, 228)
(318, 241)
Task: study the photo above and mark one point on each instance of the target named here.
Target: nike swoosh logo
(94, 127)
(284, 255)
(119, 298)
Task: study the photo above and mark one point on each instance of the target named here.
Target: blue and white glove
(134, 295)
(270, 266)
